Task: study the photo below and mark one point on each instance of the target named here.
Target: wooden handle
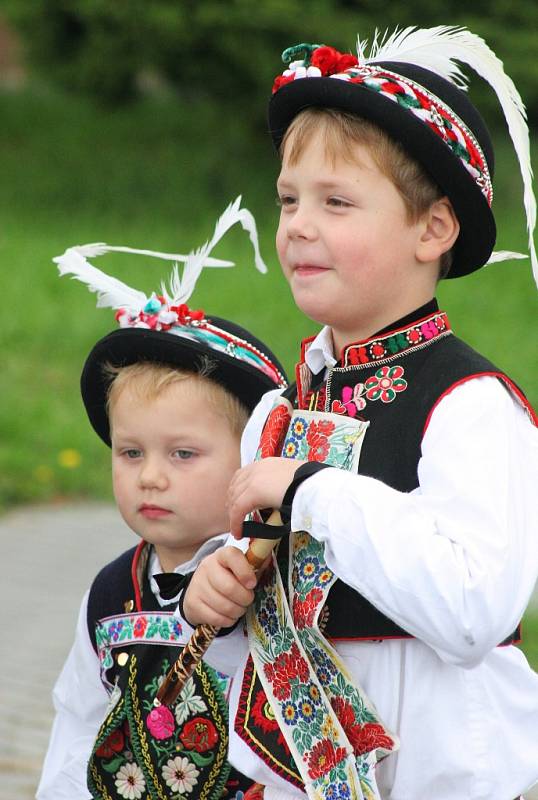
(203, 635)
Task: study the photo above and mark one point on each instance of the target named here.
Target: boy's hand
(259, 485)
(220, 590)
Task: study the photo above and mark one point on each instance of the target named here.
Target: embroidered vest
(141, 750)
(393, 383)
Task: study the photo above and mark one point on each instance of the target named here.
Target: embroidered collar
(412, 330)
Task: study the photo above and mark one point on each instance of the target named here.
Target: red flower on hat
(330, 61)
(282, 80)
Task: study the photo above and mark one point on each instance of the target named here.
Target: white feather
(181, 288)
(100, 248)
(111, 293)
(437, 49)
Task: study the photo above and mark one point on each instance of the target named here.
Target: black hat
(164, 330)
(425, 110)
(241, 363)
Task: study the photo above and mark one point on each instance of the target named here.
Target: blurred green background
(136, 123)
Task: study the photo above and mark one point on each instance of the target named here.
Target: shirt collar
(155, 568)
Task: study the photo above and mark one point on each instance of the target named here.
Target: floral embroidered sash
(330, 726)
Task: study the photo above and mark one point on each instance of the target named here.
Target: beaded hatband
(320, 61)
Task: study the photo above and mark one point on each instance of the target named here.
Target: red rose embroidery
(286, 667)
(274, 432)
(323, 757)
(319, 447)
(304, 611)
(199, 734)
(368, 737)
(344, 712)
(113, 744)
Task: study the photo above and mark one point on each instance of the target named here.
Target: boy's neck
(384, 326)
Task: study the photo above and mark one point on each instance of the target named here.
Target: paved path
(49, 557)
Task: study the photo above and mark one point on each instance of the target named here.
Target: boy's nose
(152, 475)
(301, 225)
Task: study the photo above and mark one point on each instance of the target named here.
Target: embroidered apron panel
(158, 753)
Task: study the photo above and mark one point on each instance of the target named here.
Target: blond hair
(341, 131)
(148, 379)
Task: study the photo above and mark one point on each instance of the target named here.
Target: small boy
(169, 393)
(382, 660)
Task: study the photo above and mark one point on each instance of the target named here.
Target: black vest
(431, 361)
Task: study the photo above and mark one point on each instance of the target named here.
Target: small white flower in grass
(180, 775)
(130, 782)
(189, 703)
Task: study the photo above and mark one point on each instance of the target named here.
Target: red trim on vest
(134, 576)
(510, 384)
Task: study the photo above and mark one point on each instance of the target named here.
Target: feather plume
(438, 49)
(181, 288)
(111, 293)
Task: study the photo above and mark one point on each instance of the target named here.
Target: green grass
(529, 643)
(157, 175)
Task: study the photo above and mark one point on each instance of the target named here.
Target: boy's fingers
(234, 560)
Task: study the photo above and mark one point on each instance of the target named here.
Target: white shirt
(81, 701)
(454, 563)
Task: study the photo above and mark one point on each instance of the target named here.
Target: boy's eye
(131, 453)
(338, 202)
(183, 455)
(284, 200)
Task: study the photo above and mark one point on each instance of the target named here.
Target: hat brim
(127, 346)
(477, 225)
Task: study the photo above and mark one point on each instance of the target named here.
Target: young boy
(418, 568)
(169, 393)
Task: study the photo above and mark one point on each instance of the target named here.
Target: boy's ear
(440, 229)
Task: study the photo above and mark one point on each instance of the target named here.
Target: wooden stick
(203, 635)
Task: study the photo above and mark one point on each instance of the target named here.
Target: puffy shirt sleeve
(455, 561)
(80, 702)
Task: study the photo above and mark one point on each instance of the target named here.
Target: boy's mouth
(309, 269)
(153, 512)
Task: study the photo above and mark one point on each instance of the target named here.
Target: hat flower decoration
(417, 71)
(162, 327)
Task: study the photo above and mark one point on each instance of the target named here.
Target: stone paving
(50, 555)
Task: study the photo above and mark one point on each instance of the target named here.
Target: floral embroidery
(385, 384)
(323, 757)
(188, 703)
(274, 431)
(300, 690)
(134, 628)
(130, 782)
(113, 744)
(180, 775)
(160, 722)
(199, 734)
(352, 398)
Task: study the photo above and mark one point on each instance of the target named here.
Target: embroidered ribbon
(329, 724)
